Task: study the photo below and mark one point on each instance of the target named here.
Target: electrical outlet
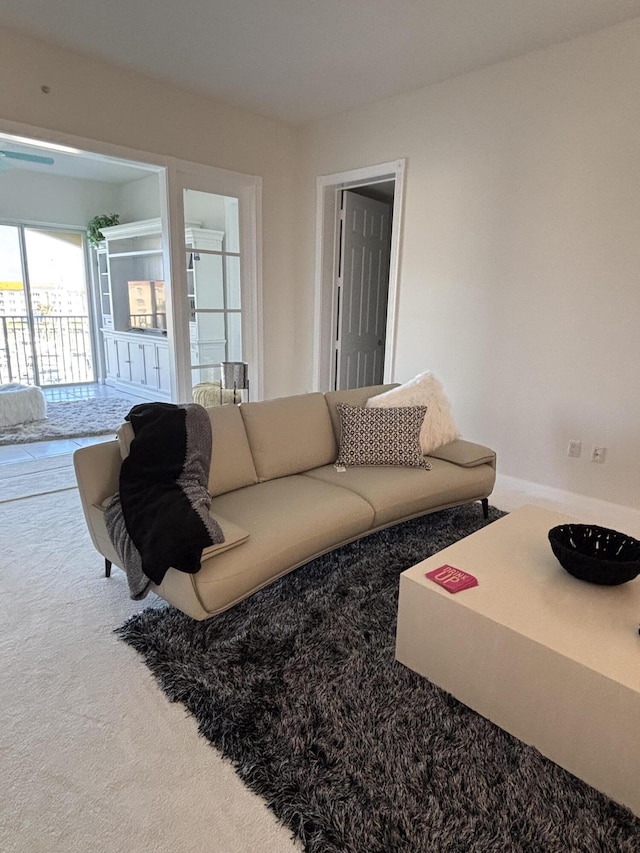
(574, 449)
(598, 454)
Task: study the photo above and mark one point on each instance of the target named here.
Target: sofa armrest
(97, 470)
(233, 535)
(467, 454)
(232, 532)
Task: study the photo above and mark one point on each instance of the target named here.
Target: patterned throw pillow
(381, 436)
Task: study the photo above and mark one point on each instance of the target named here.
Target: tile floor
(40, 449)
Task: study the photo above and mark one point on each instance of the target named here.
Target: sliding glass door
(44, 319)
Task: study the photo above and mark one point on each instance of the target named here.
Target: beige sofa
(278, 497)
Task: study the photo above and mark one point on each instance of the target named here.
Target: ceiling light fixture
(28, 158)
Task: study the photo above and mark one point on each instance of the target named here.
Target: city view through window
(44, 318)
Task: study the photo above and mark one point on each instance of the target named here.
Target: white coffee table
(553, 660)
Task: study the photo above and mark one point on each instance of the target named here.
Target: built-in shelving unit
(132, 301)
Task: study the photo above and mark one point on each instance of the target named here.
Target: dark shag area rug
(299, 688)
(70, 419)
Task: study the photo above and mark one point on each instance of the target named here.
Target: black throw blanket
(163, 490)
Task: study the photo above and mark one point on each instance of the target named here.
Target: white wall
(48, 199)
(99, 101)
(205, 208)
(520, 252)
(139, 199)
(520, 260)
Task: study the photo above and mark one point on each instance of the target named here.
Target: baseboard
(510, 493)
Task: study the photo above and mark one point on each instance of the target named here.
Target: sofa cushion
(291, 520)
(354, 397)
(381, 436)
(398, 493)
(438, 427)
(231, 460)
(289, 434)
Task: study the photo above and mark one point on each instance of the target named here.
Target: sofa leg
(107, 568)
(485, 507)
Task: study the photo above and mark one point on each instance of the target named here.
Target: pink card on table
(452, 579)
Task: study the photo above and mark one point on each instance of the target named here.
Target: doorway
(215, 269)
(141, 191)
(362, 285)
(356, 282)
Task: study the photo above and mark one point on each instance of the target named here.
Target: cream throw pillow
(438, 427)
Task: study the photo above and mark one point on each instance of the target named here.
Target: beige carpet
(36, 477)
(93, 756)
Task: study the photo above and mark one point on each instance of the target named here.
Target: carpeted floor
(92, 756)
(70, 419)
(55, 478)
(298, 686)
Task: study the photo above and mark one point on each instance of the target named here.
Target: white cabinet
(157, 373)
(137, 370)
(163, 368)
(132, 298)
(124, 362)
(111, 356)
(138, 366)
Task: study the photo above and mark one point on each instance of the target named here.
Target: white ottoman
(20, 404)
(209, 394)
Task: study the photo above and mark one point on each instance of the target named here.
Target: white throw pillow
(438, 427)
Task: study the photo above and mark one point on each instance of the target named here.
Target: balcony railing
(55, 350)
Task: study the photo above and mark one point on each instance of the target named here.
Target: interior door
(363, 285)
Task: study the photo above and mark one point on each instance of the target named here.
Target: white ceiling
(299, 60)
(70, 164)
(295, 60)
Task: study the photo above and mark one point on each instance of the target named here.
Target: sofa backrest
(289, 435)
(354, 397)
(260, 441)
(231, 460)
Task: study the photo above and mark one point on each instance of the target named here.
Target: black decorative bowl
(596, 554)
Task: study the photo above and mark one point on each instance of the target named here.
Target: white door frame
(328, 188)
(172, 213)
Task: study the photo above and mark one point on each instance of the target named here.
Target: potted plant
(104, 220)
